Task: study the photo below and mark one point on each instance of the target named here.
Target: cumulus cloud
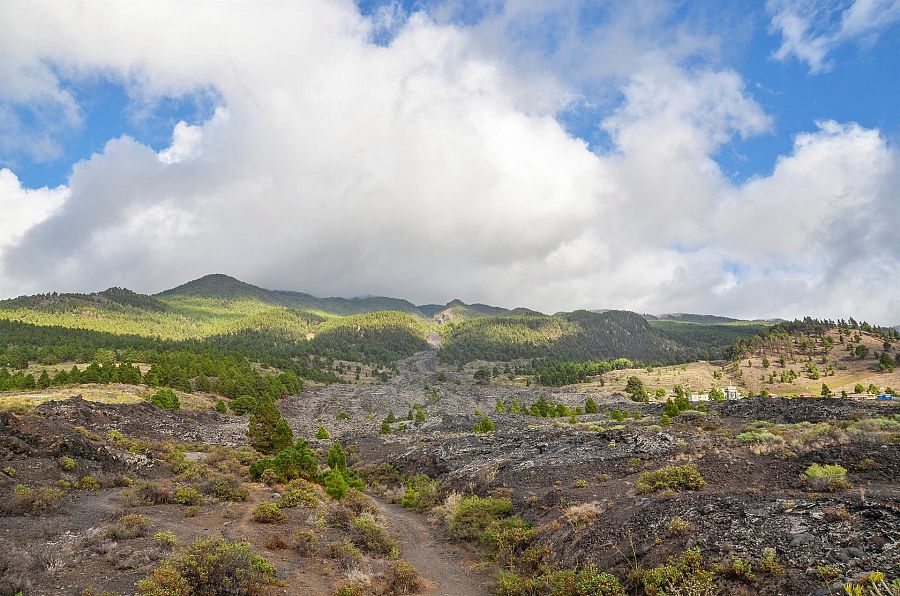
(22, 209)
(434, 166)
(812, 29)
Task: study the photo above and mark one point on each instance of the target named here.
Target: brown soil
(446, 568)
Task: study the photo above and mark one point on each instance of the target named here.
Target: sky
(737, 158)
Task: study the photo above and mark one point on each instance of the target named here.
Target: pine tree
(267, 430)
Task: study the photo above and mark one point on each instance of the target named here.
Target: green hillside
(705, 341)
(222, 289)
(231, 314)
(581, 335)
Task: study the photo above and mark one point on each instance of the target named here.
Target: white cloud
(22, 209)
(812, 29)
(435, 167)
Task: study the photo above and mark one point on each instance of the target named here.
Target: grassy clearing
(114, 393)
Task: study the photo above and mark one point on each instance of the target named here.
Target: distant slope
(693, 318)
(456, 311)
(706, 341)
(348, 306)
(222, 287)
(225, 288)
(581, 335)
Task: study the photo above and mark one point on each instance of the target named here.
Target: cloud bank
(434, 166)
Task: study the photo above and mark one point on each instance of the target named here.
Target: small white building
(696, 397)
(732, 393)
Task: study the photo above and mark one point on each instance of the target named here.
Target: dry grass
(113, 393)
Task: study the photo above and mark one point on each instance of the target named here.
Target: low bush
(165, 399)
(370, 535)
(127, 527)
(345, 553)
(211, 566)
(299, 493)
(35, 500)
(507, 538)
(268, 513)
(403, 578)
(147, 492)
(678, 526)
(740, 569)
(165, 539)
(588, 581)
(66, 463)
(422, 493)
(242, 405)
(305, 542)
(670, 478)
(686, 574)
(472, 516)
(485, 425)
(769, 562)
(89, 483)
(188, 495)
(226, 488)
(828, 477)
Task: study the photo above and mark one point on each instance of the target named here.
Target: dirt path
(440, 564)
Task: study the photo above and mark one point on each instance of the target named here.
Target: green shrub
(740, 569)
(507, 537)
(211, 566)
(242, 405)
(687, 574)
(828, 477)
(165, 539)
(472, 516)
(322, 434)
(342, 416)
(678, 526)
(422, 493)
(588, 581)
(267, 429)
(371, 535)
(221, 406)
(165, 399)
(9, 471)
(226, 488)
(403, 578)
(670, 478)
(828, 573)
(89, 483)
(128, 526)
(270, 477)
(188, 495)
(66, 463)
(298, 461)
(268, 513)
(769, 562)
(345, 553)
(299, 492)
(485, 425)
(335, 485)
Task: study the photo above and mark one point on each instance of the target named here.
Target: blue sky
(863, 86)
(738, 158)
